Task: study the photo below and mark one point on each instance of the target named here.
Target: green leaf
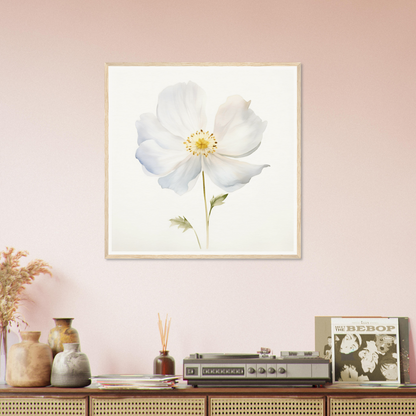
(181, 222)
(216, 201)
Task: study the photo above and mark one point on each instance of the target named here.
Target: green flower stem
(196, 235)
(206, 210)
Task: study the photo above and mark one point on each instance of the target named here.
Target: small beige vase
(63, 333)
(29, 363)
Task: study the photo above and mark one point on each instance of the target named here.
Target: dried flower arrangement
(13, 279)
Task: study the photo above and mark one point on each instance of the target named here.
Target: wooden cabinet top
(6, 390)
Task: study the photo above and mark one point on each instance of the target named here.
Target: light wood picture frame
(203, 160)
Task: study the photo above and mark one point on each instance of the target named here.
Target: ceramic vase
(29, 363)
(164, 364)
(61, 334)
(71, 368)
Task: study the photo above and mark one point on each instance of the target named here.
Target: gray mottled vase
(70, 368)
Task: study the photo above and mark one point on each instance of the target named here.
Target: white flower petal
(146, 172)
(192, 183)
(157, 160)
(181, 109)
(149, 128)
(181, 180)
(237, 128)
(229, 174)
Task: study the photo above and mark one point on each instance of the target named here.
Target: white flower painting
(175, 144)
(203, 161)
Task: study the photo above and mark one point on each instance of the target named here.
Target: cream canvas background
(260, 218)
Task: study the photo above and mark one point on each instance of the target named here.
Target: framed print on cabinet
(203, 160)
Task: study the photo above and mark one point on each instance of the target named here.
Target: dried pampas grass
(13, 279)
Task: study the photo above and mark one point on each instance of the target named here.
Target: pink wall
(359, 194)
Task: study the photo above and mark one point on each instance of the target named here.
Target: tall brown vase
(63, 333)
(29, 363)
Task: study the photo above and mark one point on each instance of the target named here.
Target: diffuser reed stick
(164, 331)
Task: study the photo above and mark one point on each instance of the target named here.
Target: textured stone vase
(62, 333)
(29, 363)
(71, 368)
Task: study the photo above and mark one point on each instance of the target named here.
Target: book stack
(135, 381)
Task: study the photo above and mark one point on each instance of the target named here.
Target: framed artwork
(203, 160)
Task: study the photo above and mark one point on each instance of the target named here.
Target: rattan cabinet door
(267, 406)
(396, 406)
(25, 406)
(154, 406)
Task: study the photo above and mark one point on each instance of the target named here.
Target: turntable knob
(281, 370)
(262, 370)
(271, 370)
(251, 370)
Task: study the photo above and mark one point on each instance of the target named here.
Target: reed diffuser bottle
(164, 364)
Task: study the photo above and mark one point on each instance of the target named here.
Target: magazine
(135, 381)
(323, 341)
(365, 350)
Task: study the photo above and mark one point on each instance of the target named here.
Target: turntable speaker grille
(148, 406)
(373, 406)
(266, 406)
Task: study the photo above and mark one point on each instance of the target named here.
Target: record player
(292, 368)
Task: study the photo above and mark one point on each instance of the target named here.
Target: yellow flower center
(201, 143)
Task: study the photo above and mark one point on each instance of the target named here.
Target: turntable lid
(225, 356)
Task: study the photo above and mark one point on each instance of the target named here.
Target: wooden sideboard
(190, 401)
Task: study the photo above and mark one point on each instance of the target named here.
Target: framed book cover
(326, 339)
